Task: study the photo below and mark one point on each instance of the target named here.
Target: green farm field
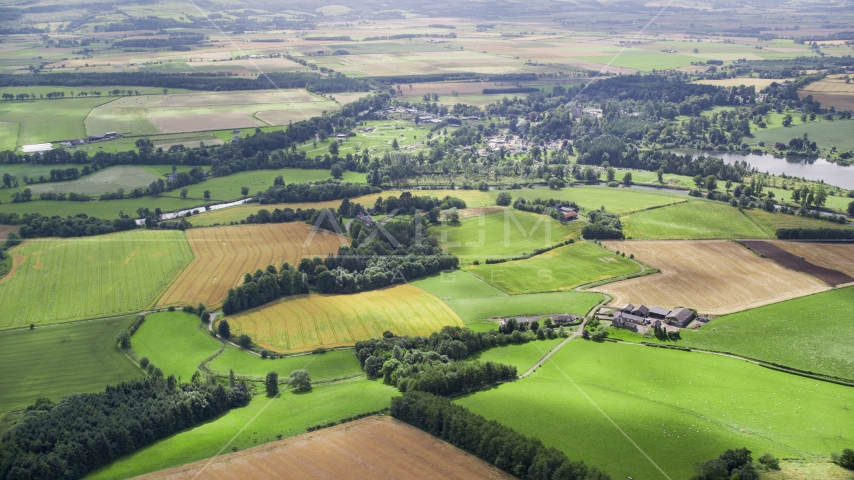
(46, 121)
(560, 269)
(63, 359)
(106, 209)
(811, 333)
(327, 366)
(102, 181)
(648, 403)
(835, 202)
(503, 234)
(259, 422)
(770, 222)
(472, 310)
(189, 343)
(34, 170)
(522, 356)
(615, 200)
(691, 220)
(826, 134)
(58, 280)
(8, 135)
(455, 285)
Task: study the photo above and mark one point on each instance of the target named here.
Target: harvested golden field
(838, 256)
(306, 322)
(839, 100)
(759, 83)
(224, 254)
(830, 85)
(373, 447)
(713, 276)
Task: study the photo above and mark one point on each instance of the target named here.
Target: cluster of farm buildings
(45, 147)
(641, 317)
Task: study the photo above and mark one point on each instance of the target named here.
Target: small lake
(809, 168)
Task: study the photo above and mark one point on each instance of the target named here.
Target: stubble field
(714, 277)
(306, 322)
(58, 280)
(838, 256)
(373, 447)
(224, 254)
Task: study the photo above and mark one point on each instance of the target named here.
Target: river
(809, 168)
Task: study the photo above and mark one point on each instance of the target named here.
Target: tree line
(524, 457)
(86, 431)
(36, 225)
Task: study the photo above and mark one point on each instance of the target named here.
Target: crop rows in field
(224, 254)
(306, 322)
(57, 280)
(111, 179)
(714, 277)
(691, 220)
(838, 256)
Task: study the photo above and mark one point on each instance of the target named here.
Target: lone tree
(300, 380)
(224, 329)
(123, 339)
(244, 341)
(503, 199)
(272, 384)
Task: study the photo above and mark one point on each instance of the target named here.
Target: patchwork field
(714, 277)
(102, 181)
(259, 422)
(322, 367)
(189, 343)
(306, 322)
(60, 360)
(224, 254)
(58, 280)
(691, 220)
(838, 256)
(635, 400)
(560, 269)
(373, 447)
(811, 333)
(503, 234)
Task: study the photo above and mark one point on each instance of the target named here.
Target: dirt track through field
(370, 448)
(224, 254)
(712, 276)
(827, 275)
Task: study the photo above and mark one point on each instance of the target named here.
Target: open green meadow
(691, 220)
(107, 209)
(834, 202)
(615, 200)
(560, 269)
(33, 170)
(326, 366)
(825, 134)
(522, 356)
(8, 135)
(471, 310)
(503, 234)
(770, 222)
(49, 121)
(811, 333)
(455, 285)
(58, 280)
(259, 422)
(103, 181)
(664, 410)
(176, 342)
(60, 360)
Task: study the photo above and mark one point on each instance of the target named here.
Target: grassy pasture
(810, 333)
(503, 234)
(46, 121)
(102, 181)
(8, 135)
(60, 360)
(667, 401)
(305, 322)
(836, 202)
(522, 356)
(615, 200)
(457, 285)
(328, 366)
(108, 209)
(563, 268)
(263, 419)
(826, 134)
(472, 310)
(176, 342)
(127, 121)
(770, 222)
(691, 220)
(33, 170)
(224, 254)
(58, 280)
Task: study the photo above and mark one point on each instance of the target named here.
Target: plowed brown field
(712, 276)
(799, 263)
(225, 254)
(836, 256)
(306, 322)
(370, 448)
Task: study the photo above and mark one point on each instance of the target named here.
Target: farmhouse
(680, 317)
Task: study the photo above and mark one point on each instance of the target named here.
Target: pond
(809, 168)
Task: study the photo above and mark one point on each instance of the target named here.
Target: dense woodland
(524, 457)
(86, 431)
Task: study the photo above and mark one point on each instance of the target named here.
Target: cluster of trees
(539, 205)
(521, 456)
(815, 234)
(36, 225)
(171, 41)
(736, 463)
(603, 226)
(262, 287)
(319, 191)
(86, 431)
